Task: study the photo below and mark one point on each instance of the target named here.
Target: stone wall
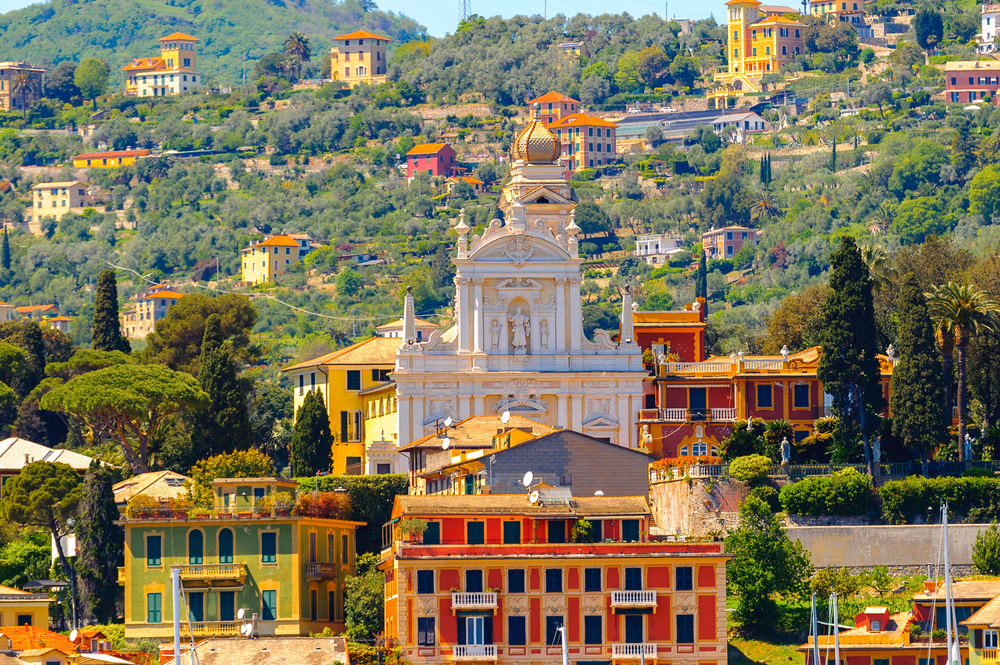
(696, 507)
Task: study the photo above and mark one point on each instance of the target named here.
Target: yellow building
(269, 259)
(140, 318)
(20, 608)
(108, 160)
(56, 199)
(345, 378)
(172, 73)
(759, 44)
(359, 57)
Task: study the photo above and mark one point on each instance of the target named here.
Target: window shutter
(343, 426)
(979, 638)
(461, 629)
(488, 630)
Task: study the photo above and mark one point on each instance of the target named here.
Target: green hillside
(118, 30)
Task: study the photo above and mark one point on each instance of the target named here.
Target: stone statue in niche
(543, 334)
(520, 326)
(494, 335)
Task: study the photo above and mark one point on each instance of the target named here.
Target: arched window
(196, 547)
(683, 452)
(225, 546)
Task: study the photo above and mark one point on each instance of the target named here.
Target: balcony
(473, 601)
(633, 651)
(121, 576)
(474, 651)
(321, 571)
(235, 572)
(988, 656)
(723, 415)
(216, 628)
(639, 598)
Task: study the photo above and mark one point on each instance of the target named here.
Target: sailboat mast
(947, 580)
(815, 632)
(836, 629)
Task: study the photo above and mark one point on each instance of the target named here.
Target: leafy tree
(746, 439)
(86, 360)
(798, 321)
(297, 46)
(349, 282)
(984, 376)
(984, 192)
(965, 311)
(91, 77)
(765, 563)
(364, 605)
(849, 368)
(177, 340)
(591, 219)
(239, 464)
(652, 64)
(929, 27)
(920, 217)
(106, 332)
(627, 78)
(29, 558)
(986, 551)
(127, 403)
(45, 495)
(14, 368)
(225, 425)
(60, 83)
(271, 417)
(965, 26)
(919, 416)
(100, 546)
(878, 93)
(685, 70)
(312, 442)
(963, 150)
(867, 56)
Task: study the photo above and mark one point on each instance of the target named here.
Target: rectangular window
(269, 547)
(515, 631)
(425, 581)
(592, 580)
(784, 50)
(553, 580)
(154, 551)
(196, 606)
(880, 661)
(630, 531)
(875, 626)
(593, 630)
(511, 533)
(354, 379)
(557, 531)
(633, 579)
(990, 639)
(474, 581)
(552, 626)
(515, 581)
(227, 606)
(765, 398)
(685, 578)
(154, 608)
(345, 554)
(432, 535)
(268, 605)
(685, 629)
(800, 394)
(313, 604)
(331, 605)
(425, 631)
(475, 533)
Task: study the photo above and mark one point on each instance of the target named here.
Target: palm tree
(23, 84)
(764, 205)
(881, 218)
(879, 265)
(297, 46)
(967, 311)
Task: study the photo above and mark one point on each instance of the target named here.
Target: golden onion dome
(536, 144)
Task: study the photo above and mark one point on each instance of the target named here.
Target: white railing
(474, 651)
(463, 600)
(633, 598)
(222, 628)
(724, 414)
(764, 364)
(633, 650)
(699, 368)
(673, 415)
(213, 571)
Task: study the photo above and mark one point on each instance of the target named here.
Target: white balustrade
(474, 652)
(636, 598)
(674, 415)
(699, 368)
(621, 651)
(460, 600)
(724, 414)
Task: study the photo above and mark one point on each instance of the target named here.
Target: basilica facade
(517, 343)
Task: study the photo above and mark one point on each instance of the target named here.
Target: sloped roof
(781, 9)
(144, 63)
(26, 638)
(580, 120)
(55, 185)
(163, 294)
(779, 19)
(516, 504)
(28, 309)
(478, 431)
(553, 97)
(113, 153)
(988, 615)
(362, 34)
(180, 36)
(427, 149)
(13, 451)
(398, 323)
(156, 484)
(372, 351)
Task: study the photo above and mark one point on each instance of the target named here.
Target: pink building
(430, 158)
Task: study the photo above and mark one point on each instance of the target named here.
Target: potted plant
(200, 514)
(264, 506)
(179, 507)
(284, 502)
(141, 506)
(413, 528)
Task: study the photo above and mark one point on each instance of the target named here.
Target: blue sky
(441, 17)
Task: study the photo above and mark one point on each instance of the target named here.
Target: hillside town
(590, 340)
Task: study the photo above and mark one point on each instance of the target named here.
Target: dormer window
(875, 626)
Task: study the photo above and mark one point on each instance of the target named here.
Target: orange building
(359, 57)
(553, 106)
(497, 578)
(587, 141)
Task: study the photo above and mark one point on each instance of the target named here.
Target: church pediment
(520, 248)
(544, 196)
(600, 422)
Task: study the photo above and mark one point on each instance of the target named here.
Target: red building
(430, 158)
(725, 243)
(553, 106)
(967, 81)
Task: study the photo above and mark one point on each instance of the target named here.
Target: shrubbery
(976, 498)
(846, 492)
(751, 469)
(371, 500)
(986, 551)
(768, 495)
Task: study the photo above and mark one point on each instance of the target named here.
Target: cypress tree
(849, 368)
(833, 157)
(100, 547)
(312, 441)
(917, 399)
(701, 278)
(225, 425)
(5, 251)
(106, 332)
(763, 171)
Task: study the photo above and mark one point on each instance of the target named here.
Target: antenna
(447, 421)
(599, 493)
(528, 477)
(241, 613)
(533, 497)
(72, 635)
(505, 417)
(446, 444)
(464, 10)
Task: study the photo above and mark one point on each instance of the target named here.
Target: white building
(518, 344)
(658, 248)
(988, 31)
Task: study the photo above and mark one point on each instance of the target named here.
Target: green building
(250, 551)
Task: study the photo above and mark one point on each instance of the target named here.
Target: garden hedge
(846, 492)
(978, 499)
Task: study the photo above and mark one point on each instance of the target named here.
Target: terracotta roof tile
(516, 504)
(988, 615)
(362, 34)
(113, 154)
(372, 351)
(427, 149)
(163, 294)
(157, 484)
(24, 638)
(553, 97)
(178, 35)
(478, 432)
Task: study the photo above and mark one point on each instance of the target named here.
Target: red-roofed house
(30, 637)
(553, 106)
(271, 258)
(170, 74)
(430, 158)
(107, 160)
(359, 57)
(477, 185)
(587, 141)
(150, 307)
(20, 608)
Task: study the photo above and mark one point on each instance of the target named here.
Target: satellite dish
(599, 493)
(241, 613)
(533, 497)
(528, 477)
(447, 421)
(246, 629)
(505, 418)
(72, 636)
(446, 444)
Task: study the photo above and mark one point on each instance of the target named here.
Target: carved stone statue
(784, 353)
(891, 352)
(520, 326)
(494, 335)
(543, 334)
(968, 447)
(877, 451)
(786, 451)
